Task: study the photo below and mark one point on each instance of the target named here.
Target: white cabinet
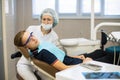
(83, 46)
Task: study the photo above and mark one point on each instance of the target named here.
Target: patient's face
(30, 41)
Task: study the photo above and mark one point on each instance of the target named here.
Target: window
(112, 7)
(65, 6)
(6, 7)
(39, 5)
(78, 8)
(86, 6)
(9, 7)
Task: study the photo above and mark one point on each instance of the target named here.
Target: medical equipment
(75, 72)
(45, 69)
(77, 46)
(91, 66)
(112, 49)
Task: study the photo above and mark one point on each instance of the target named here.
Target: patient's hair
(18, 39)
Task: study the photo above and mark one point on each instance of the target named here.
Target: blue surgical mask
(46, 26)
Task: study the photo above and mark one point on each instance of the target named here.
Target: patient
(48, 20)
(45, 51)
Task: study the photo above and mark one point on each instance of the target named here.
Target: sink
(69, 42)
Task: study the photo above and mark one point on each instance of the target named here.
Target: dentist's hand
(87, 59)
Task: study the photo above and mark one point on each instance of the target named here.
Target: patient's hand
(82, 57)
(87, 59)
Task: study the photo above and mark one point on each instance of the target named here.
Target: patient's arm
(24, 51)
(82, 57)
(59, 65)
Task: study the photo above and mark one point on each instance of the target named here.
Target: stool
(116, 51)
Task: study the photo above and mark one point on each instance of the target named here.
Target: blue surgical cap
(52, 13)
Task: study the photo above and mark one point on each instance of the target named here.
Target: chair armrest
(46, 68)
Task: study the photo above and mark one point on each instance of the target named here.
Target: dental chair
(41, 66)
(112, 50)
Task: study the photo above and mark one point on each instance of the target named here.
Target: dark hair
(18, 39)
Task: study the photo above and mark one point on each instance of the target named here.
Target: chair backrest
(103, 39)
(40, 65)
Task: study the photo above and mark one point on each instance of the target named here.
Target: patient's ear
(24, 51)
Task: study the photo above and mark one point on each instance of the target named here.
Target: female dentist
(49, 20)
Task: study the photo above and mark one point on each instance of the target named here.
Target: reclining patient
(45, 51)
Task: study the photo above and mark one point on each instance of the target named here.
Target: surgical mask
(46, 26)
